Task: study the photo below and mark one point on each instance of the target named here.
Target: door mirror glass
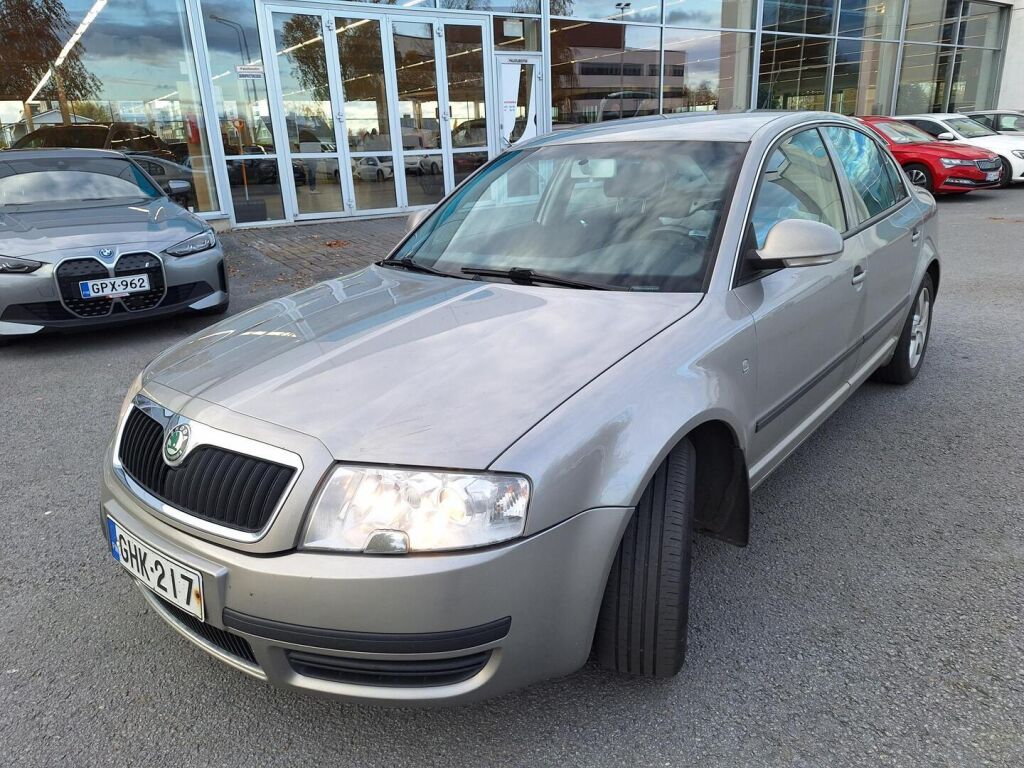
(801, 243)
(946, 136)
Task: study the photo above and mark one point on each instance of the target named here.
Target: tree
(33, 33)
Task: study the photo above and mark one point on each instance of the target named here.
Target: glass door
(312, 160)
(519, 93)
(381, 111)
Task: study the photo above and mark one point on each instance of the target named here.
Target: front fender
(601, 447)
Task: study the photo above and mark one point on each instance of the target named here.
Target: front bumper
(408, 630)
(32, 303)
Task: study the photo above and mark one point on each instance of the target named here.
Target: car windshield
(902, 133)
(642, 216)
(70, 181)
(969, 129)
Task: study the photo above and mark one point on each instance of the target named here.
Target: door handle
(915, 235)
(859, 274)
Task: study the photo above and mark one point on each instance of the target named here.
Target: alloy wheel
(919, 328)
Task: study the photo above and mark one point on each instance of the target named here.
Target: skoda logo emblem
(106, 253)
(175, 443)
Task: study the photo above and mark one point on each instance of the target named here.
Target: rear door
(882, 226)
(808, 320)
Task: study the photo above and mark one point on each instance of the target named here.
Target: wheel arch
(933, 271)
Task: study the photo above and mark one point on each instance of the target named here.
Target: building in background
(281, 111)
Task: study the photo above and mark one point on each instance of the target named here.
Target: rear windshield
(902, 133)
(631, 216)
(73, 137)
(71, 181)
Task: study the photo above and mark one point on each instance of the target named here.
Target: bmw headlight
(383, 510)
(12, 266)
(953, 162)
(1019, 153)
(204, 241)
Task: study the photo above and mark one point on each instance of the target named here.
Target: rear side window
(799, 183)
(1010, 123)
(932, 129)
(865, 166)
(985, 120)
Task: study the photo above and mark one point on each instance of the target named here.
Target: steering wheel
(673, 232)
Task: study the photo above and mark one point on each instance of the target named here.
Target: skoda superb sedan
(962, 129)
(87, 238)
(465, 468)
(938, 166)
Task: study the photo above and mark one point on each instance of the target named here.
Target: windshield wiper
(525, 276)
(406, 262)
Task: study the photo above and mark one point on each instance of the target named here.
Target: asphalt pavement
(874, 620)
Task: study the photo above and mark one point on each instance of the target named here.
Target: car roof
(55, 152)
(693, 126)
(993, 112)
(934, 116)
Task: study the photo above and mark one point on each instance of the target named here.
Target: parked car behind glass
(938, 166)
(120, 137)
(956, 127)
(458, 471)
(1000, 120)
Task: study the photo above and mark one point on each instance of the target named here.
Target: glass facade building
(280, 111)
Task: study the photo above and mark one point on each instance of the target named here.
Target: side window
(119, 140)
(1010, 123)
(153, 169)
(932, 129)
(896, 179)
(865, 166)
(985, 120)
(798, 183)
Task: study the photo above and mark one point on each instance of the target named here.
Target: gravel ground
(875, 619)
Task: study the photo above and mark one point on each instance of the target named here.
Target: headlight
(1019, 153)
(380, 510)
(12, 266)
(204, 241)
(953, 162)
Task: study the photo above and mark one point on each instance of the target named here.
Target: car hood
(998, 143)
(944, 149)
(386, 366)
(47, 235)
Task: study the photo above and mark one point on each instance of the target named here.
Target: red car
(938, 166)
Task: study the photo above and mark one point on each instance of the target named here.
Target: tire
(380, 175)
(920, 176)
(1007, 174)
(434, 168)
(913, 342)
(641, 629)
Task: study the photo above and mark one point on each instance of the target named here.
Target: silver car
(87, 238)
(468, 467)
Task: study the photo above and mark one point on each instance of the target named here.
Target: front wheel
(913, 342)
(641, 629)
(920, 176)
(1007, 174)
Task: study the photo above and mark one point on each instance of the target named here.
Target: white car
(374, 168)
(956, 127)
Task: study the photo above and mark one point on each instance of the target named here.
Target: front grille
(231, 644)
(400, 673)
(142, 264)
(70, 274)
(213, 484)
(988, 165)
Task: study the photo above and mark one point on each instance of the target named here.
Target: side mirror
(801, 243)
(416, 218)
(946, 136)
(178, 187)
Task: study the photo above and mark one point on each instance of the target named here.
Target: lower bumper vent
(401, 673)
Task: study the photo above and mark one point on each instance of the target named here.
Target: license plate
(176, 583)
(992, 176)
(114, 286)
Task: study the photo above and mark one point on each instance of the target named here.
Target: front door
(381, 111)
(519, 95)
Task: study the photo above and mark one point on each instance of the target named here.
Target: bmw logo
(106, 253)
